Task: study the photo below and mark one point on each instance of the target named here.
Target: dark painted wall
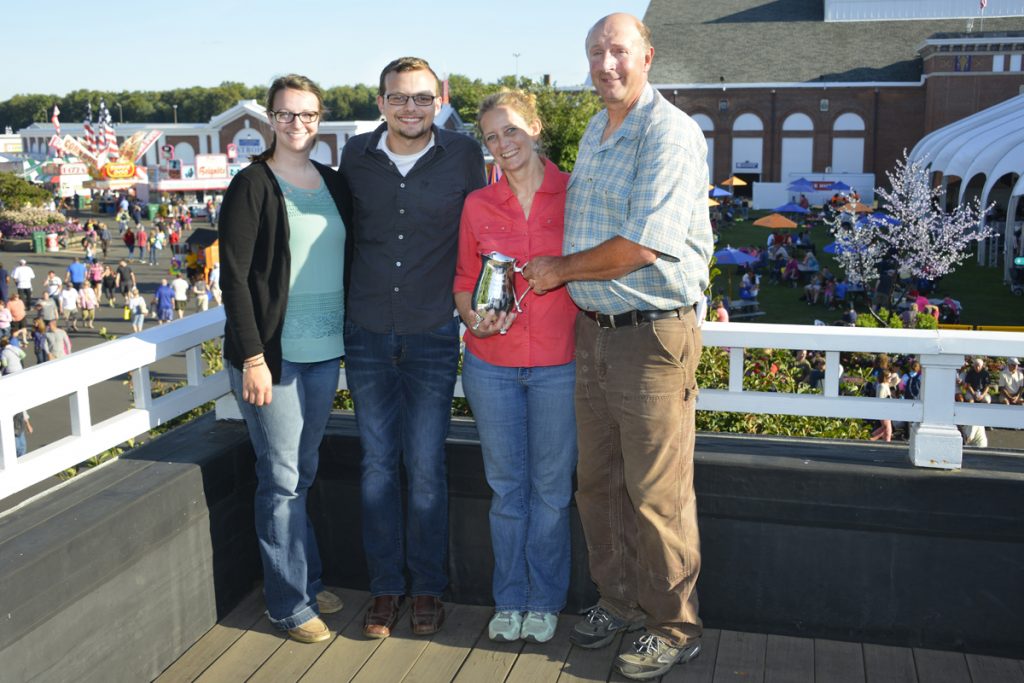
(117, 574)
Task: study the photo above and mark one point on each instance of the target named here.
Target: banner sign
(211, 166)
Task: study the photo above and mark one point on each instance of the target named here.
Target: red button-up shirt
(493, 220)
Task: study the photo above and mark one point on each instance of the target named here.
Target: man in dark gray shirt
(407, 180)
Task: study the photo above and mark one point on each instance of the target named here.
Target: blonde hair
(522, 102)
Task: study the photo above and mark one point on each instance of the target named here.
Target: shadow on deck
(245, 647)
(810, 548)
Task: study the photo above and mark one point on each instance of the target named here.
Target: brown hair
(289, 82)
(522, 102)
(403, 64)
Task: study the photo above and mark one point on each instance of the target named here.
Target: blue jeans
(402, 387)
(286, 437)
(527, 424)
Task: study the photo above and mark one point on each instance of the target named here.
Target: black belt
(634, 318)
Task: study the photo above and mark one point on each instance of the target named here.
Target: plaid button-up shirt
(647, 183)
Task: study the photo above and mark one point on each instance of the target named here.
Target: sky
(63, 45)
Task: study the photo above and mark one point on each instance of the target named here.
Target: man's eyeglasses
(420, 99)
(289, 116)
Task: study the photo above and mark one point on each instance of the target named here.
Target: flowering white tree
(917, 232)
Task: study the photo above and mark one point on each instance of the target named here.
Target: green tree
(17, 193)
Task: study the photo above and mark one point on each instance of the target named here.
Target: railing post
(936, 441)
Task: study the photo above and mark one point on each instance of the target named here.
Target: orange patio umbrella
(856, 207)
(712, 202)
(734, 181)
(775, 221)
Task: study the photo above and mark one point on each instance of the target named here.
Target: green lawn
(980, 290)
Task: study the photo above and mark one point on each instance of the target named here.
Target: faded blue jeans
(286, 436)
(402, 388)
(527, 425)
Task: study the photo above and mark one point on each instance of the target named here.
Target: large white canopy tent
(990, 144)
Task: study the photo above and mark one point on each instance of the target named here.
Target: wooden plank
(216, 641)
(293, 659)
(836, 661)
(888, 664)
(542, 662)
(789, 660)
(347, 654)
(994, 669)
(246, 655)
(936, 666)
(395, 656)
(592, 666)
(489, 661)
(449, 648)
(702, 668)
(740, 657)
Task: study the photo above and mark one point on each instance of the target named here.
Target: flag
(983, 4)
(55, 120)
(90, 134)
(106, 142)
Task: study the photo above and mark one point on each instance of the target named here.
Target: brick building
(793, 87)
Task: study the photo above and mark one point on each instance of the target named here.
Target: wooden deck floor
(245, 647)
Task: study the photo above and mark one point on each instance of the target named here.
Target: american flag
(90, 134)
(55, 120)
(983, 4)
(107, 136)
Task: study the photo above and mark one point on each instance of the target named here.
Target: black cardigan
(256, 263)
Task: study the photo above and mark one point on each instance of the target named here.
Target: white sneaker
(505, 626)
(539, 627)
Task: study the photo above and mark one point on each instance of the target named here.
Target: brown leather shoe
(427, 615)
(381, 616)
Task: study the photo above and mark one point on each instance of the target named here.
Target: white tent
(989, 143)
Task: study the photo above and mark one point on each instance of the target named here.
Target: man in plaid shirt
(637, 245)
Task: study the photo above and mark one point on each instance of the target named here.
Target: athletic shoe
(505, 626)
(652, 657)
(598, 628)
(539, 627)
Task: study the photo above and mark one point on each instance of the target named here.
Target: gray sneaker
(505, 626)
(598, 628)
(653, 657)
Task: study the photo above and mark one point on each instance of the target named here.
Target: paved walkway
(245, 647)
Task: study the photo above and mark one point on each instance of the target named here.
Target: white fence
(935, 440)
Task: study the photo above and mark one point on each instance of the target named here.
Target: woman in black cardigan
(282, 241)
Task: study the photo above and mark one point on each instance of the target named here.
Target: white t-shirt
(53, 286)
(403, 162)
(69, 299)
(1011, 381)
(23, 276)
(180, 287)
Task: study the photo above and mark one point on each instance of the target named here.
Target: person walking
(282, 245)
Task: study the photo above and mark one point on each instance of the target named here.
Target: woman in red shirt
(519, 374)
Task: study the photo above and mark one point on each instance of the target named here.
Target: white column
(936, 442)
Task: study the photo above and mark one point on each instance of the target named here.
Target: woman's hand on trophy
(492, 323)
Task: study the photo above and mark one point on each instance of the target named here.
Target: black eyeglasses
(420, 99)
(289, 116)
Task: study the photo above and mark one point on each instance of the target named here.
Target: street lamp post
(175, 108)
(516, 56)
(120, 113)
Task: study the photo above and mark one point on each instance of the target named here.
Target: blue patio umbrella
(791, 208)
(835, 248)
(733, 257)
(839, 186)
(879, 218)
(719, 192)
(801, 185)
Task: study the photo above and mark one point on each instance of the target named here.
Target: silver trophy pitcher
(495, 289)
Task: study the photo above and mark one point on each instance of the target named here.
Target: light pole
(120, 113)
(516, 55)
(175, 108)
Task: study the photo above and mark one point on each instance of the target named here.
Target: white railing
(72, 376)
(935, 440)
